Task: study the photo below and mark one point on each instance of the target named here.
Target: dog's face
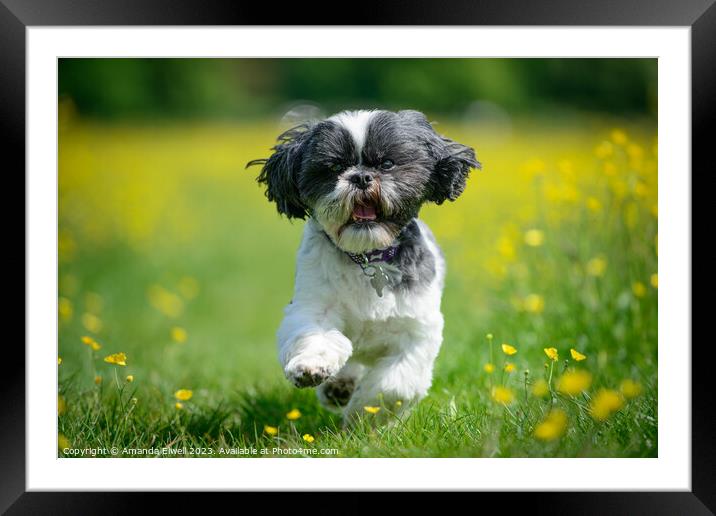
(363, 175)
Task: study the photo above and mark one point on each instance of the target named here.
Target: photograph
(357, 257)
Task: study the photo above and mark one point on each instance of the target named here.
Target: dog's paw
(312, 359)
(309, 371)
(336, 393)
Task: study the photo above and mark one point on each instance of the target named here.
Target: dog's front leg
(311, 346)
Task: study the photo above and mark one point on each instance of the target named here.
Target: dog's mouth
(364, 212)
(369, 225)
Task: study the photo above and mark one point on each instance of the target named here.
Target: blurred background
(169, 251)
(231, 89)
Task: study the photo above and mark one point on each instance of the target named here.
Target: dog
(364, 325)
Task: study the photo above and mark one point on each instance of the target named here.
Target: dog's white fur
(337, 325)
(356, 122)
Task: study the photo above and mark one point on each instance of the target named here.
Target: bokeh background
(170, 253)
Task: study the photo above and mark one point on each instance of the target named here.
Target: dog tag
(379, 280)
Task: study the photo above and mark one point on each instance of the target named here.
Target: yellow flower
(654, 280)
(59, 360)
(63, 442)
(576, 355)
(506, 248)
(540, 388)
(619, 187)
(533, 167)
(178, 405)
(610, 168)
(552, 427)
(293, 415)
(270, 430)
(308, 438)
(179, 334)
(630, 388)
(534, 237)
(509, 367)
(372, 410)
(130, 378)
(61, 405)
(398, 403)
(640, 189)
(508, 350)
(184, 394)
(97, 379)
(91, 322)
(574, 382)
(89, 341)
(619, 136)
(64, 308)
(605, 403)
(552, 354)
(165, 301)
(596, 266)
(116, 358)
(489, 368)
(635, 151)
(534, 303)
(638, 288)
(502, 395)
(593, 204)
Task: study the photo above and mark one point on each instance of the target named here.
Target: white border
(672, 468)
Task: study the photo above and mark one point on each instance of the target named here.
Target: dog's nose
(361, 179)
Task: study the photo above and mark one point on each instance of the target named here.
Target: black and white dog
(364, 324)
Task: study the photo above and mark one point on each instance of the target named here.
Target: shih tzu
(364, 324)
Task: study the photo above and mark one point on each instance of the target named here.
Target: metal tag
(379, 280)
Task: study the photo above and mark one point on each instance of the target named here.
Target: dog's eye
(337, 167)
(387, 164)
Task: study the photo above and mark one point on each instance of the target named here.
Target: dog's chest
(376, 324)
(372, 293)
(380, 325)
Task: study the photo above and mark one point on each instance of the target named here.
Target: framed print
(450, 252)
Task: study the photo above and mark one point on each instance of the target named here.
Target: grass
(169, 252)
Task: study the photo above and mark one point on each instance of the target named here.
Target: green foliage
(240, 88)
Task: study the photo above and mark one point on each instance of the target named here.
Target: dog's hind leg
(395, 383)
(336, 392)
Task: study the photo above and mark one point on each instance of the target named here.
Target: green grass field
(169, 253)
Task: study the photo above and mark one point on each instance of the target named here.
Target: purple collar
(376, 255)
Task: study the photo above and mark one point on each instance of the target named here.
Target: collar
(373, 256)
(376, 255)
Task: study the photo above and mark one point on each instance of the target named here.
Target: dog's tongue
(364, 212)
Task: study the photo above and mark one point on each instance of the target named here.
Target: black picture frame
(17, 15)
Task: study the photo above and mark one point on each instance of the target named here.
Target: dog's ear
(451, 170)
(452, 160)
(280, 172)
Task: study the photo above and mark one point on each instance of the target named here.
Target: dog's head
(363, 175)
